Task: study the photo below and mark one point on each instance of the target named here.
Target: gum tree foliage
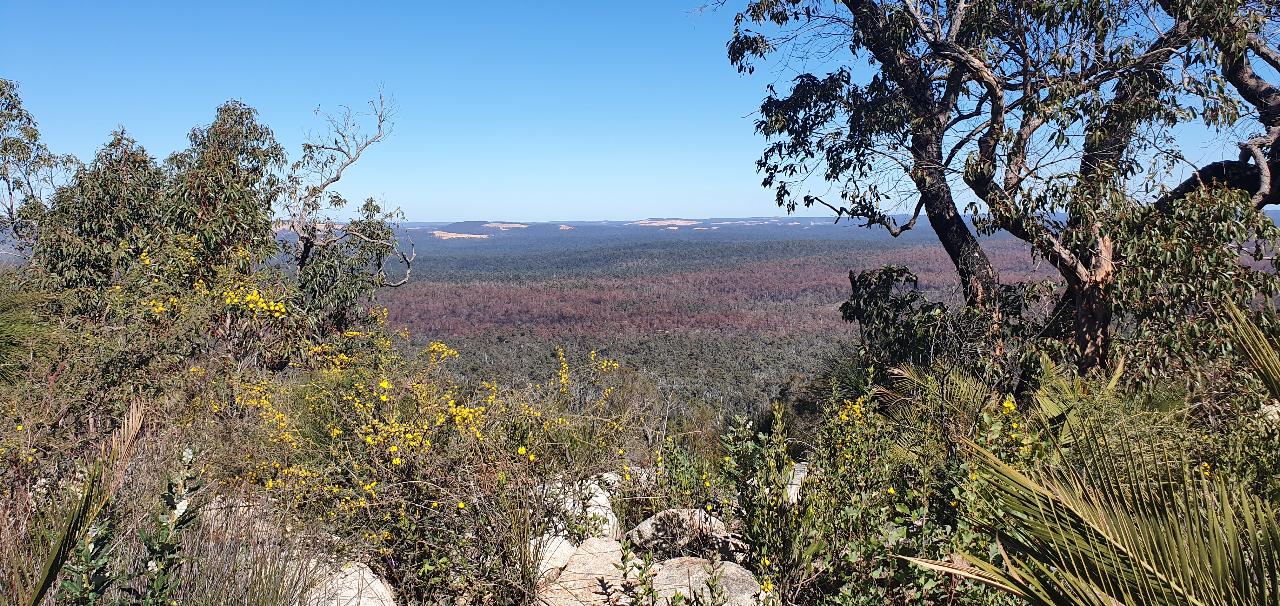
(338, 265)
(899, 326)
(339, 275)
(28, 170)
(1054, 122)
(109, 211)
(222, 187)
(217, 201)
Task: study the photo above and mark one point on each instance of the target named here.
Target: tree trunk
(978, 277)
(1093, 309)
(1092, 326)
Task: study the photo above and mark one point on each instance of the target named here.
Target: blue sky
(506, 110)
(562, 110)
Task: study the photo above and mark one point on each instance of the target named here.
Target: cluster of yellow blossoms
(438, 352)
(603, 364)
(379, 435)
(851, 410)
(466, 418)
(159, 308)
(335, 361)
(562, 375)
(252, 300)
(257, 397)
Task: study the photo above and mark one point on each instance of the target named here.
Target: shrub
(446, 493)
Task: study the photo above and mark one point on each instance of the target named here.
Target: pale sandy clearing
(448, 235)
(665, 222)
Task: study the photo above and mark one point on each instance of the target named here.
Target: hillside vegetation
(212, 391)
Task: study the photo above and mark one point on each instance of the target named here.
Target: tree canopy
(1054, 122)
(230, 200)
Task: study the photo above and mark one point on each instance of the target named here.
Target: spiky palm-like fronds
(102, 479)
(1135, 523)
(943, 400)
(1147, 529)
(1260, 353)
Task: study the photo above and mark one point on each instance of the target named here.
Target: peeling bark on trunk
(1093, 309)
(1092, 327)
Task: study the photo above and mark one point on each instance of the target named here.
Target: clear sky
(506, 110)
(557, 110)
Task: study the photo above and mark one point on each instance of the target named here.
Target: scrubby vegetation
(209, 394)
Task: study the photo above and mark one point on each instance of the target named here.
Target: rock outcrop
(691, 547)
(588, 577)
(587, 502)
(690, 577)
(685, 532)
(352, 585)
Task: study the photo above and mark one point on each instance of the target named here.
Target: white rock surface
(588, 576)
(554, 552)
(593, 578)
(795, 481)
(686, 532)
(677, 531)
(688, 577)
(352, 585)
(599, 506)
(591, 500)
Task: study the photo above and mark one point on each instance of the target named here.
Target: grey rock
(588, 575)
(588, 501)
(553, 551)
(684, 532)
(689, 577)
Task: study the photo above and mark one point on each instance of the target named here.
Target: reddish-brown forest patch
(771, 297)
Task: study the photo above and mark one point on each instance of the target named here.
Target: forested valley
(1014, 342)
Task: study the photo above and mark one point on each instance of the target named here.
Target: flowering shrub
(446, 491)
(878, 487)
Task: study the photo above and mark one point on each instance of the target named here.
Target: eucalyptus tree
(231, 199)
(115, 212)
(29, 171)
(103, 219)
(221, 188)
(336, 264)
(1055, 122)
